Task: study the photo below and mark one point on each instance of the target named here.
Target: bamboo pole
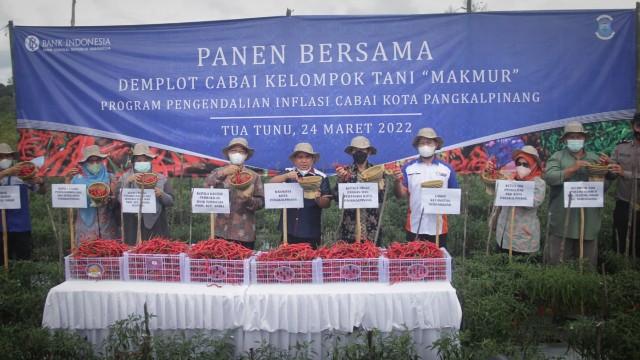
(511, 226)
(285, 228)
(492, 215)
(212, 224)
(438, 220)
(139, 231)
(72, 230)
(381, 212)
(581, 236)
(5, 240)
(567, 214)
(358, 226)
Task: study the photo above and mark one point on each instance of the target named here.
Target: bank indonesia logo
(605, 32)
(32, 43)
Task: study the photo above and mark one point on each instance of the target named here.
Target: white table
(279, 314)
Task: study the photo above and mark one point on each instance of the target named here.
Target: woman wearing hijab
(97, 221)
(526, 227)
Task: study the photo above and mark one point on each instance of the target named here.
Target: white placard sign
(131, 201)
(584, 194)
(358, 195)
(209, 200)
(514, 193)
(283, 196)
(441, 201)
(10, 197)
(69, 196)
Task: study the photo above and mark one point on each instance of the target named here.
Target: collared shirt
(19, 220)
(240, 223)
(307, 222)
(414, 174)
(554, 176)
(627, 155)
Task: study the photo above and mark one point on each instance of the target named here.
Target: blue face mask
(142, 166)
(575, 145)
(94, 168)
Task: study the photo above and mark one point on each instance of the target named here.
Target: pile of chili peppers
(161, 246)
(100, 248)
(342, 250)
(219, 249)
(98, 190)
(27, 170)
(240, 178)
(147, 180)
(289, 252)
(350, 262)
(414, 250)
(289, 263)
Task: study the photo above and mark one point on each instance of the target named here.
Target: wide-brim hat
(6, 149)
(142, 149)
(238, 141)
(89, 151)
(636, 118)
(574, 127)
(305, 148)
(428, 133)
(360, 143)
(527, 149)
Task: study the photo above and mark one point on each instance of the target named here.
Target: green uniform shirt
(554, 176)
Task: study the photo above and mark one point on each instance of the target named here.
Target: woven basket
(373, 174)
(246, 179)
(310, 183)
(433, 184)
(597, 172)
(98, 200)
(147, 180)
(27, 170)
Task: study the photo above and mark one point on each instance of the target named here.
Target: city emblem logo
(605, 32)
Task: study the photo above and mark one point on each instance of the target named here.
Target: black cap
(636, 118)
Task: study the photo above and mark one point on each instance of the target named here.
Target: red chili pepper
(161, 246)
(100, 248)
(219, 249)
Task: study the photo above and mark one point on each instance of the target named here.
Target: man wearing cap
(409, 184)
(626, 158)
(153, 225)
(18, 220)
(94, 221)
(240, 224)
(304, 225)
(526, 226)
(570, 165)
(360, 150)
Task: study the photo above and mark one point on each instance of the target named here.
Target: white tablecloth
(256, 312)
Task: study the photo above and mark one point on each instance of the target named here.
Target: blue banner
(325, 79)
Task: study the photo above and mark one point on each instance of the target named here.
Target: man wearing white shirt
(409, 184)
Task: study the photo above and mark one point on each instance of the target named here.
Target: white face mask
(142, 166)
(303, 172)
(237, 158)
(575, 145)
(522, 171)
(426, 151)
(5, 163)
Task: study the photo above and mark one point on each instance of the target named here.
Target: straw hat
(305, 148)
(360, 143)
(573, 127)
(527, 149)
(142, 149)
(238, 141)
(6, 149)
(428, 133)
(89, 151)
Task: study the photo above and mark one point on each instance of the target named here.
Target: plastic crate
(94, 268)
(420, 269)
(155, 267)
(286, 272)
(354, 270)
(235, 272)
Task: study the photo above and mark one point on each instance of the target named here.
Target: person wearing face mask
(360, 150)
(304, 225)
(570, 165)
(18, 220)
(526, 227)
(153, 225)
(240, 224)
(625, 163)
(94, 222)
(409, 181)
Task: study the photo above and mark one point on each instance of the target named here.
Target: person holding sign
(18, 221)
(524, 233)
(360, 150)
(569, 165)
(99, 219)
(304, 225)
(155, 224)
(625, 163)
(409, 181)
(246, 194)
